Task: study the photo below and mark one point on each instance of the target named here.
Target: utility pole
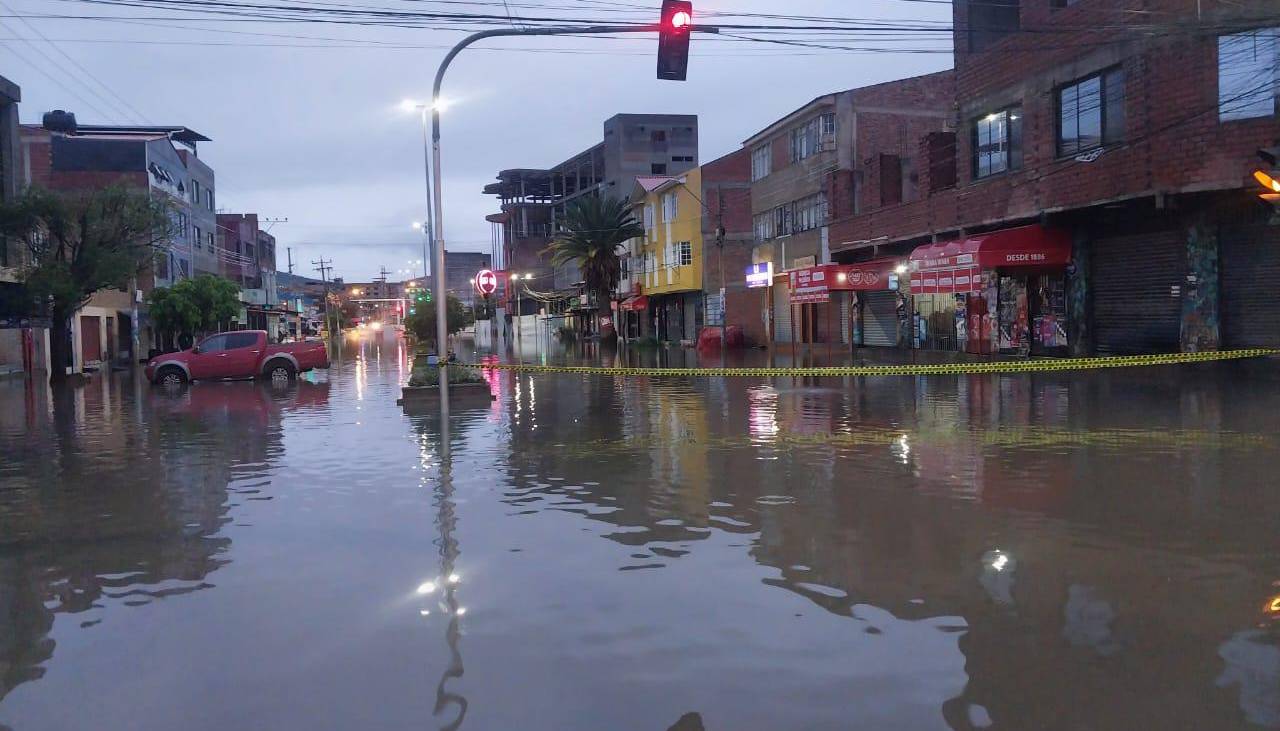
(289, 251)
(323, 267)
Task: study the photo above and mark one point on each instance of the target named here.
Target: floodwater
(1060, 551)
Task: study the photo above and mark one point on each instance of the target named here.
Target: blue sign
(760, 275)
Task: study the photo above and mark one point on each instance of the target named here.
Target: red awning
(815, 284)
(636, 304)
(956, 266)
(868, 275)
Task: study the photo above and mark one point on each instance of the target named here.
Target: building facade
(728, 242)
(1092, 194)
(534, 201)
(65, 156)
(23, 339)
(839, 154)
(247, 256)
(665, 267)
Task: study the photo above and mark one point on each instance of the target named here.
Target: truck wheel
(281, 371)
(171, 376)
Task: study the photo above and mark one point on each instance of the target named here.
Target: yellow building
(664, 271)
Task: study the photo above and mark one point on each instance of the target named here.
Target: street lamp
(433, 229)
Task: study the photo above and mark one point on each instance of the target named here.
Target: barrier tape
(942, 369)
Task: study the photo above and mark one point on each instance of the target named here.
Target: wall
(1173, 142)
(206, 259)
(669, 277)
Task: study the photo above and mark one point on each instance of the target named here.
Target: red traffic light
(673, 39)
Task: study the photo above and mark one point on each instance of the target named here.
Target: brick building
(63, 155)
(836, 156)
(1091, 192)
(728, 239)
(247, 256)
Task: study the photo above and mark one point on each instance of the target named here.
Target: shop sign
(810, 285)
(760, 275)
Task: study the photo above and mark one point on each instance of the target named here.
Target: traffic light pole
(442, 330)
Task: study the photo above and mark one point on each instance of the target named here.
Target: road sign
(486, 282)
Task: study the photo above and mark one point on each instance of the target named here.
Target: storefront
(631, 317)
(874, 301)
(1000, 292)
(840, 304)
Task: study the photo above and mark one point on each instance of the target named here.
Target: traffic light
(673, 39)
(1269, 178)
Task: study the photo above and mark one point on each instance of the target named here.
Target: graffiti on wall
(1200, 319)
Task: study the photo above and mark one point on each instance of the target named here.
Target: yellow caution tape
(939, 369)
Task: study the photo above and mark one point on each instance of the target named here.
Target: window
(658, 136)
(997, 142)
(805, 140)
(208, 193)
(686, 253)
(682, 158)
(209, 242)
(658, 168)
(1247, 74)
(1063, 3)
(810, 213)
(195, 191)
(670, 207)
(196, 238)
(182, 222)
(761, 157)
(241, 340)
(782, 216)
(829, 124)
(764, 226)
(1091, 113)
(648, 218)
(215, 344)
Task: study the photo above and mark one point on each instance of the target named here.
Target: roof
(646, 184)
(823, 100)
(178, 134)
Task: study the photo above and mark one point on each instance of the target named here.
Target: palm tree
(591, 234)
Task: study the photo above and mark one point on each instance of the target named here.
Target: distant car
(239, 354)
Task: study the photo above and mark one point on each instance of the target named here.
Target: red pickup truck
(239, 354)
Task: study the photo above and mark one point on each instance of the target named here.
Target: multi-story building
(23, 343)
(836, 155)
(66, 156)
(534, 201)
(664, 268)
(202, 215)
(1092, 192)
(248, 258)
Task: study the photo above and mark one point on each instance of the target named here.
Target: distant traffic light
(673, 39)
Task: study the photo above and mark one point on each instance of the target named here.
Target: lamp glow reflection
(427, 587)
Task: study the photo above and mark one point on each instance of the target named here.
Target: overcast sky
(316, 134)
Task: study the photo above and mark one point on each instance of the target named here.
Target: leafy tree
(217, 299)
(79, 243)
(171, 312)
(594, 229)
(194, 306)
(422, 322)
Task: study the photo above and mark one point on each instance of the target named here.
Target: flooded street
(1056, 551)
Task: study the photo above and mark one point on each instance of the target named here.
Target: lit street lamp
(433, 229)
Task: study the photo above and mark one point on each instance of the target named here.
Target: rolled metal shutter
(781, 311)
(1249, 268)
(880, 319)
(842, 300)
(1137, 292)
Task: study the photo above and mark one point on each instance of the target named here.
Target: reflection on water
(1053, 551)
